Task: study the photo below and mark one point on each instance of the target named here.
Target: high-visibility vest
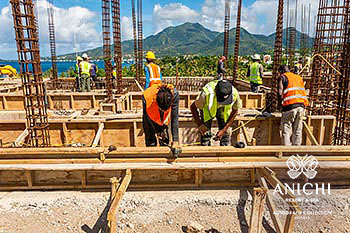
(85, 67)
(255, 76)
(154, 72)
(152, 108)
(295, 91)
(211, 104)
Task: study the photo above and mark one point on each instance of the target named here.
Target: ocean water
(61, 66)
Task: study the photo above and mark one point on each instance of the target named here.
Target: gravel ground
(160, 211)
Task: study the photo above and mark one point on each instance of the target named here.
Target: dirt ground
(161, 211)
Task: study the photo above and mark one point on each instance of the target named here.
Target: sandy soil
(160, 211)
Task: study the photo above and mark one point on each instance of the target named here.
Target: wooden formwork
(130, 101)
(80, 168)
(128, 131)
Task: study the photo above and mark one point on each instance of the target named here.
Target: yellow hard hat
(150, 55)
(79, 58)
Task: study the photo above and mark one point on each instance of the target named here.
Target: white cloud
(126, 27)
(74, 22)
(172, 14)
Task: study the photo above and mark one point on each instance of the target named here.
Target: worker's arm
(237, 105)
(175, 117)
(229, 122)
(148, 78)
(261, 71)
(280, 90)
(195, 114)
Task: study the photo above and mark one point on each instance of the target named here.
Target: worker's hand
(219, 135)
(202, 129)
(162, 135)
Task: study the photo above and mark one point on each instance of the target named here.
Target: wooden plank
(83, 179)
(72, 102)
(4, 102)
(198, 177)
(98, 135)
(289, 225)
(117, 199)
(257, 212)
(309, 134)
(20, 139)
(29, 176)
(270, 204)
(269, 140)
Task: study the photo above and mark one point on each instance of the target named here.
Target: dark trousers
(225, 140)
(254, 87)
(77, 83)
(151, 129)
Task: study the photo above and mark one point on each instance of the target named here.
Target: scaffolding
(30, 68)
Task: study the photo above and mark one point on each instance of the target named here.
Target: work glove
(203, 129)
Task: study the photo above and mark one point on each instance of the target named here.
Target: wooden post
(269, 140)
(116, 197)
(97, 138)
(20, 139)
(256, 217)
(198, 177)
(309, 134)
(29, 176)
(4, 101)
(72, 104)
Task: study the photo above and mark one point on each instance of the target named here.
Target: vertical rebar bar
(136, 56)
(35, 99)
(277, 60)
(106, 34)
(227, 27)
(118, 57)
(237, 40)
(140, 39)
(52, 38)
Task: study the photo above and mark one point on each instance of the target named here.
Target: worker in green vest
(85, 74)
(220, 100)
(255, 74)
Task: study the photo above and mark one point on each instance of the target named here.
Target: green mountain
(194, 39)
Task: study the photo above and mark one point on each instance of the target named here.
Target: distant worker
(221, 68)
(294, 100)
(160, 108)
(152, 71)
(85, 69)
(218, 99)
(93, 72)
(255, 74)
(77, 73)
(299, 66)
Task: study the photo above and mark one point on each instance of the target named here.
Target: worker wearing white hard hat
(85, 73)
(255, 74)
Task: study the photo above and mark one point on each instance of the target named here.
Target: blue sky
(80, 20)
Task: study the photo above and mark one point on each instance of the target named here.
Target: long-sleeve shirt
(148, 76)
(221, 67)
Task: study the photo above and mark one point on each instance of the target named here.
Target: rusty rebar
(237, 40)
(35, 98)
(106, 34)
(227, 27)
(52, 38)
(136, 56)
(140, 38)
(118, 57)
(277, 59)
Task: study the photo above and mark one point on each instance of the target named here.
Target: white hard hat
(85, 56)
(256, 57)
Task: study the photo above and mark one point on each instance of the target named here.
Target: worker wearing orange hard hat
(152, 71)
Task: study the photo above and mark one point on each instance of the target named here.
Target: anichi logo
(302, 165)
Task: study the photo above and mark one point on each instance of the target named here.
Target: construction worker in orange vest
(152, 71)
(160, 107)
(294, 100)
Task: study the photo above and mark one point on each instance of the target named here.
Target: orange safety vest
(295, 91)
(154, 72)
(152, 108)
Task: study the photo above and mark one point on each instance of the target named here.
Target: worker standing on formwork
(218, 99)
(152, 71)
(77, 73)
(255, 74)
(85, 73)
(294, 100)
(160, 108)
(298, 66)
(221, 68)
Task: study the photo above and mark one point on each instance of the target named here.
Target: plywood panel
(226, 175)
(57, 177)
(83, 133)
(118, 134)
(56, 134)
(162, 176)
(81, 102)
(101, 177)
(9, 132)
(12, 178)
(15, 102)
(61, 102)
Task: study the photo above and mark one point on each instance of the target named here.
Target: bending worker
(152, 71)
(255, 74)
(294, 100)
(85, 71)
(218, 99)
(160, 107)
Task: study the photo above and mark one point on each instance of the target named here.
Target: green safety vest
(85, 67)
(211, 104)
(255, 76)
